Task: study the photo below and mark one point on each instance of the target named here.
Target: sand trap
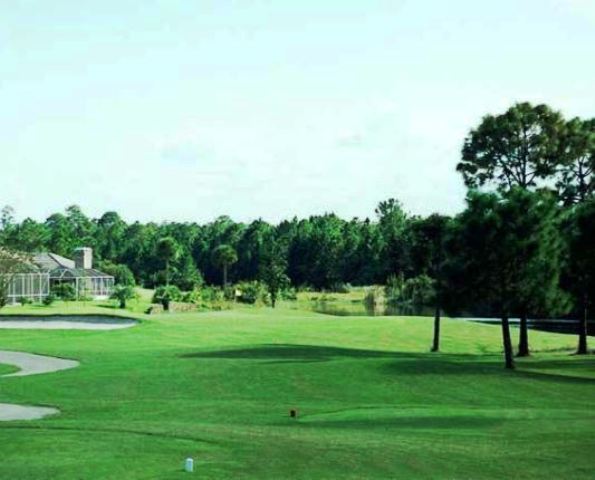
(64, 322)
(10, 412)
(30, 364)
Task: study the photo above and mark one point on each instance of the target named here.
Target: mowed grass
(372, 401)
(7, 369)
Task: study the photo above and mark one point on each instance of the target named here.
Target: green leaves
(519, 148)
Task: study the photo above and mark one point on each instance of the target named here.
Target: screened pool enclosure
(47, 271)
(86, 282)
(33, 286)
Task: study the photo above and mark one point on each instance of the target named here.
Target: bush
(194, 296)
(250, 292)
(123, 293)
(393, 291)
(340, 287)
(289, 293)
(229, 293)
(121, 273)
(167, 294)
(416, 291)
(49, 299)
(25, 301)
(211, 294)
(375, 297)
(64, 291)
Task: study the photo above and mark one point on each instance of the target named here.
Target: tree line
(524, 245)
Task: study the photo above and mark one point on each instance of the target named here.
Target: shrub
(374, 297)
(340, 287)
(250, 292)
(193, 296)
(49, 299)
(393, 291)
(167, 294)
(419, 290)
(413, 291)
(289, 293)
(211, 294)
(64, 291)
(121, 273)
(25, 301)
(123, 293)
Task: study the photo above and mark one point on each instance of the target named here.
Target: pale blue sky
(185, 110)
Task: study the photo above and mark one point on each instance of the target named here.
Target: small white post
(189, 465)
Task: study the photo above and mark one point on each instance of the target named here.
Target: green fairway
(372, 401)
(7, 369)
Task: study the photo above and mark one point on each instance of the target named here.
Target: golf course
(371, 400)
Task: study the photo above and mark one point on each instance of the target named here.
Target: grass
(6, 369)
(372, 402)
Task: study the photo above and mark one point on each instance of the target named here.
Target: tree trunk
(224, 275)
(582, 332)
(523, 337)
(273, 300)
(508, 357)
(436, 342)
(167, 273)
(122, 303)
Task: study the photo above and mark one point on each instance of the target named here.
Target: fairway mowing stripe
(107, 430)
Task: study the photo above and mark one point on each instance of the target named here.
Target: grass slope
(373, 402)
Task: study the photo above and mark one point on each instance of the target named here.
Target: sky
(184, 110)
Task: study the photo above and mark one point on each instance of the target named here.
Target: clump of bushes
(375, 297)
(289, 293)
(64, 291)
(340, 287)
(25, 301)
(121, 273)
(167, 294)
(415, 291)
(211, 295)
(251, 292)
(123, 293)
(49, 299)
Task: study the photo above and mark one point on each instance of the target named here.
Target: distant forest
(321, 251)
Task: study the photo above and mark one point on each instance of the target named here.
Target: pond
(344, 309)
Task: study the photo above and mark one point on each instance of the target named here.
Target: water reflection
(362, 309)
(367, 310)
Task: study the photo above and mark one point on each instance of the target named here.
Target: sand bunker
(30, 364)
(65, 322)
(10, 412)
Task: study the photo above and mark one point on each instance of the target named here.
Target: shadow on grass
(284, 353)
(295, 353)
(572, 370)
(404, 422)
(399, 363)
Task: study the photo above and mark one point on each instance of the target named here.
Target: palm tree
(123, 293)
(168, 250)
(224, 256)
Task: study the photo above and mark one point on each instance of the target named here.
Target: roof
(69, 273)
(51, 261)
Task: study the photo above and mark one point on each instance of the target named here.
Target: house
(48, 270)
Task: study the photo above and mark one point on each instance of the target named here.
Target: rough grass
(372, 401)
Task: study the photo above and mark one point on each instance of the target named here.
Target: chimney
(83, 257)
